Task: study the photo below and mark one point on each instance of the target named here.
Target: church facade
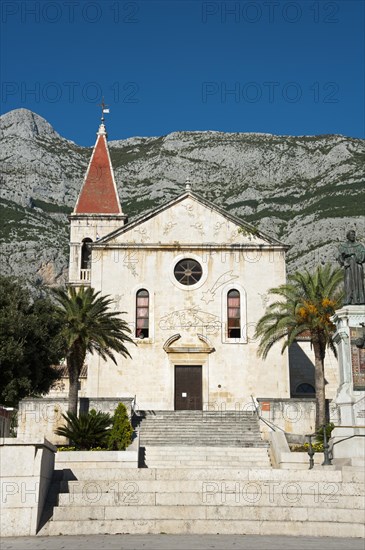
(192, 281)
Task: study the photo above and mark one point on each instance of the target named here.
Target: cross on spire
(104, 110)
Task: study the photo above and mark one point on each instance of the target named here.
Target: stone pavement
(180, 542)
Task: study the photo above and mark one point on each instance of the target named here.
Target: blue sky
(282, 67)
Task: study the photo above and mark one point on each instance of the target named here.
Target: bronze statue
(352, 257)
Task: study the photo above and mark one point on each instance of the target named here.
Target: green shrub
(86, 431)
(120, 435)
(319, 433)
(317, 448)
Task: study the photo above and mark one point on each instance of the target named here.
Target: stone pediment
(202, 345)
(188, 220)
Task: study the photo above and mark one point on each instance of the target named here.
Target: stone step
(329, 476)
(203, 435)
(230, 441)
(221, 451)
(196, 436)
(199, 428)
(198, 423)
(253, 513)
(180, 457)
(206, 526)
(187, 455)
(211, 430)
(208, 452)
(217, 434)
(239, 496)
(196, 415)
(187, 437)
(144, 442)
(200, 463)
(320, 492)
(191, 423)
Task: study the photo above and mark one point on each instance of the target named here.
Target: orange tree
(304, 305)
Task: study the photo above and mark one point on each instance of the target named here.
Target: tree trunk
(73, 392)
(320, 386)
(75, 360)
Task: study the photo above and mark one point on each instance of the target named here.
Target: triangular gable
(99, 193)
(186, 219)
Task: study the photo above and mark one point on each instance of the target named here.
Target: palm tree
(88, 326)
(87, 430)
(306, 303)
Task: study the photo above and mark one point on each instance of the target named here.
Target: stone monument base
(348, 438)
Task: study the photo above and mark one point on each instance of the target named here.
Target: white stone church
(193, 282)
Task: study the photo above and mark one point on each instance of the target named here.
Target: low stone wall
(348, 444)
(41, 417)
(284, 459)
(72, 461)
(26, 471)
(294, 415)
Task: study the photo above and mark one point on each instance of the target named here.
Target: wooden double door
(188, 388)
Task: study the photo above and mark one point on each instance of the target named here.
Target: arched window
(142, 313)
(86, 254)
(305, 389)
(233, 314)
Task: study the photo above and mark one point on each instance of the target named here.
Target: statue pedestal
(350, 399)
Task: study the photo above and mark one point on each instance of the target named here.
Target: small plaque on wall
(357, 359)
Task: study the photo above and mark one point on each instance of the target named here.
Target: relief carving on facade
(130, 260)
(143, 234)
(217, 227)
(117, 300)
(199, 226)
(264, 299)
(226, 278)
(167, 227)
(191, 318)
(189, 207)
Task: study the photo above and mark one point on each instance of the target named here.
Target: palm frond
(305, 303)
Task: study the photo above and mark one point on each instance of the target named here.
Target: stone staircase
(200, 428)
(318, 502)
(199, 481)
(194, 439)
(212, 457)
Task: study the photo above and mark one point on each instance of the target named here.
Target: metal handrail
(267, 422)
(133, 405)
(327, 448)
(345, 439)
(362, 427)
(327, 452)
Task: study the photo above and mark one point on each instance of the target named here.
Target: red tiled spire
(99, 193)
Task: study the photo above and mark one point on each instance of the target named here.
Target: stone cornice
(206, 247)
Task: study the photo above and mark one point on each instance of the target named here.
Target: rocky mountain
(304, 190)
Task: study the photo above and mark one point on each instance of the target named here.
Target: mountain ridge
(303, 190)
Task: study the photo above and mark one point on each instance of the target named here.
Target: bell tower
(98, 211)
